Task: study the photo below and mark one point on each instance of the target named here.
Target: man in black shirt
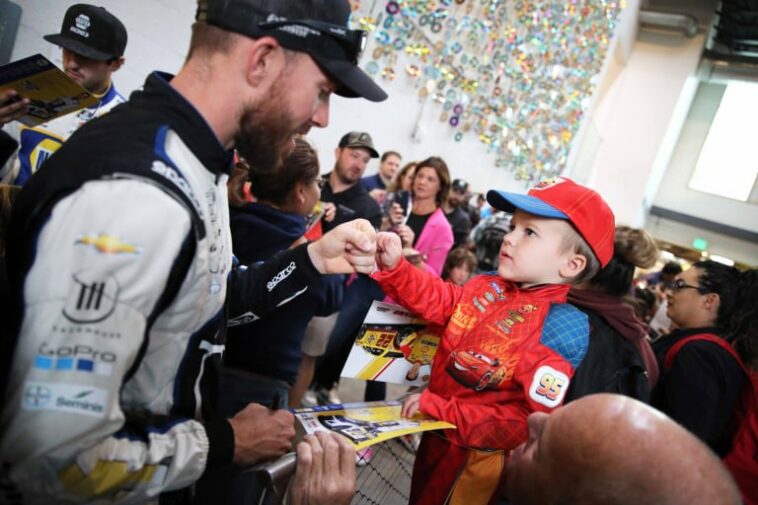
(343, 188)
(458, 218)
(350, 200)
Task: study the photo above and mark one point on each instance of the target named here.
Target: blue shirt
(373, 182)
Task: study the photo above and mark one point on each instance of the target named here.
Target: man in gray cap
(93, 42)
(346, 197)
(122, 275)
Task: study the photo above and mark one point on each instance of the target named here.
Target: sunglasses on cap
(340, 42)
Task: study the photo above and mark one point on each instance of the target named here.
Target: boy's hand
(410, 405)
(389, 250)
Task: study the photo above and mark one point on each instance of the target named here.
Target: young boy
(510, 345)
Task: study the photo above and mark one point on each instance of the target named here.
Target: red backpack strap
(707, 337)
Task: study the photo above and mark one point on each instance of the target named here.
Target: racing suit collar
(184, 118)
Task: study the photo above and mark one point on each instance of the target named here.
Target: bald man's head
(613, 450)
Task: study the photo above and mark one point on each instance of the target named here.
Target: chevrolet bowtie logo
(109, 244)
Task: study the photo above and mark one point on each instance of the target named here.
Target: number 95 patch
(548, 386)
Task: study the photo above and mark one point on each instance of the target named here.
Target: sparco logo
(270, 285)
(179, 181)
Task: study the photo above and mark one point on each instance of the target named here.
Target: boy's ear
(573, 266)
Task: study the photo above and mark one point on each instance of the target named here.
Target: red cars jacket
(505, 351)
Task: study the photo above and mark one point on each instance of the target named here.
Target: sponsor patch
(548, 386)
(178, 180)
(247, 317)
(270, 285)
(92, 297)
(74, 358)
(462, 318)
(86, 400)
(548, 183)
(108, 244)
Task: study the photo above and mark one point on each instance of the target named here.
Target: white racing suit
(121, 268)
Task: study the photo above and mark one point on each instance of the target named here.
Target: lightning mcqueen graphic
(475, 369)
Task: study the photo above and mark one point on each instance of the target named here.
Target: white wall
(682, 165)
(632, 118)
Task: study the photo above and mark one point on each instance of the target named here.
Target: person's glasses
(680, 284)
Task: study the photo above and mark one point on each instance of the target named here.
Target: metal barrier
(384, 478)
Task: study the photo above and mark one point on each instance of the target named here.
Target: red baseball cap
(562, 198)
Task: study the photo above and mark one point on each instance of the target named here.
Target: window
(728, 162)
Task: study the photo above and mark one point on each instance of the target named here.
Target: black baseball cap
(92, 32)
(357, 140)
(325, 36)
(460, 185)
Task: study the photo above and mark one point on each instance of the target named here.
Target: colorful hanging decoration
(517, 74)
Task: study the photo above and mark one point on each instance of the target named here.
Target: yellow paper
(364, 423)
(51, 92)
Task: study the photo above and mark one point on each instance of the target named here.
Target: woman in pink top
(426, 232)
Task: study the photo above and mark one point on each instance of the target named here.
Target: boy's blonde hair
(574, 242)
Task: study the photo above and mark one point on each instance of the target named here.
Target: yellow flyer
(50, 91)
(363, 423)
(392, 346)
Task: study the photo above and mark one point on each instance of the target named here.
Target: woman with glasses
(263, 356)
(700, 380)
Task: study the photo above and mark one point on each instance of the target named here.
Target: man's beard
(342, 175)
(265, 136)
